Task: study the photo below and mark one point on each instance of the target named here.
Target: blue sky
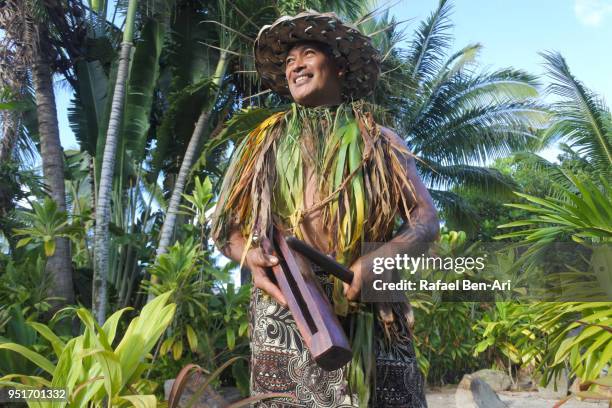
(512, 33)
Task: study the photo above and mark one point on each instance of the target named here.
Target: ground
(445, 398)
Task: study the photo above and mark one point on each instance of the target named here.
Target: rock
(465, 382)
(575, 387)
(497, 380)
(230, 394)
(209, 398)
(557, 387)
(476, 393)
(524, 380)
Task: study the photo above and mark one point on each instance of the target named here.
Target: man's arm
(421, 225)
(256, 260)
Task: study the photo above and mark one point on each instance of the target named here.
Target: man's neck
(324, 102)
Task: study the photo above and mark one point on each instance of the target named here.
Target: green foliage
(510, 336)
(444, 337)
(200, 203)
(487, 211)
(443, 330)
(211, 320)
(13, 328)
(141, 88)
(46, 224)
(584, 213)
(25, 285)
(90, 368)
(453, 117)
(578, 334)
(581, 118)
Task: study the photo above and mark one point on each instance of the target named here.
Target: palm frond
(430, 43)
(141, 86)
(457, 211)
(539, 164)
(489, 181)
(582, 119)
(476, 135)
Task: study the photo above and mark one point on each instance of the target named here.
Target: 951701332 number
(33, 394)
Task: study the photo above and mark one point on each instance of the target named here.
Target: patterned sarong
(280, 362)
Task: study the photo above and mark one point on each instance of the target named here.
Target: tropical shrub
(45, 224)
(93, 372)
(211, 317)
(443, 331)
(578, 333)
(509, 336)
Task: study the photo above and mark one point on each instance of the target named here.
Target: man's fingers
(260, 259)
(351, 291)
(265, 284)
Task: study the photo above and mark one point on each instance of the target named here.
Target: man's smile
(301, 78)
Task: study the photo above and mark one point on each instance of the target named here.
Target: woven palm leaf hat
(352, 49)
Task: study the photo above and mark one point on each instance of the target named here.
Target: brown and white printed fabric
(280, 362)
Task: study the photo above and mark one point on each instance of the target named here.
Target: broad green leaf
(192, 338)
(34, 357)
(23, 242)
(141, 401)
(57, 344)
(38, 380)
(165, 346)
(110, 326)
(49, 247)
(231, 338)
(177, 349)
(109, 363)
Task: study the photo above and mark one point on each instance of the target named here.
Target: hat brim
(353, 51)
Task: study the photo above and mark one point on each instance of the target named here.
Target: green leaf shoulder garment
(361, 176)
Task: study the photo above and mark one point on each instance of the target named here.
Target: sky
(512, 33)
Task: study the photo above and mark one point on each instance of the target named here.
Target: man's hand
(353, 290)
(257, 261)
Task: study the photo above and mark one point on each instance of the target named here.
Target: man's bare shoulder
(395, 140)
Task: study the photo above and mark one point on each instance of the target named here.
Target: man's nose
(298, 64)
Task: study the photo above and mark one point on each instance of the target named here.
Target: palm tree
(581, 118)
(100, 280)
(455, 119)
(581, 122)
(168, 226)
(59, 265)
(26, 27)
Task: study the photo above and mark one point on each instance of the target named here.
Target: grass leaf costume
(362, 179)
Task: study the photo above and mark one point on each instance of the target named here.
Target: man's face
(313, 76)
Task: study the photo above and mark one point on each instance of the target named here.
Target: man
(324, 171)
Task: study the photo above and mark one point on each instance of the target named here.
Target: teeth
(301, 79)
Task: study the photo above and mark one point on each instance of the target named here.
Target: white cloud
(592, 12)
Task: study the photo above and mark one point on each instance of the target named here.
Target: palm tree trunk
(100, 278)
(167, 229)
(59, 266)
(9, 135)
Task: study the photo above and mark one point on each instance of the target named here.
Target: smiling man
(313, 77)
(324, 171)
